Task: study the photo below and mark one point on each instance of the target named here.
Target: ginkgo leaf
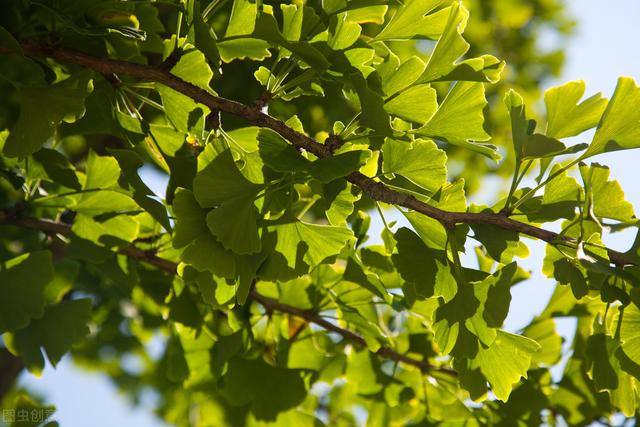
(190, 218)
(420, 161)
(459, 119)
(22, 289)
(565, 116)
(220, 181)
(543, 331)
(401, 76)
(607, 196)
(416, 104)
(630, 332)
(282, 156)
(317, 242)
(619, 127)
(529, 145)
(235, 226)
(342, 32)
(270, 397)
(61, 326)
(451, 46)
(43, 109)
(245, 48)
(53, 166)
(505, 362)
(184, 113)
(414, 19)
(424, 269)
(205, 253)
(243, 18)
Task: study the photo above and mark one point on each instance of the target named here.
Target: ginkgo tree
(282, 128)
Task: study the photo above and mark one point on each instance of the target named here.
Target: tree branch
(374, 189)
(55, 228)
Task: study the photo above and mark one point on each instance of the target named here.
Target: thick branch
(372, 188)
(170, 267)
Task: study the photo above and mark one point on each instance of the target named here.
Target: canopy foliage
(280, 130)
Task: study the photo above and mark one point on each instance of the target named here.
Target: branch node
(263, 101)
(333, 142)
(113, 79)
(171, 60)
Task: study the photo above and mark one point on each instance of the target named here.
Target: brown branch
(310, 316)
(374, 189)
(55, 228)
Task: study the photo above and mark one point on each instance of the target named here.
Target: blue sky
(604, 47)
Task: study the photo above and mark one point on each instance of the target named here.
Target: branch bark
(374, 189)
(55, 228)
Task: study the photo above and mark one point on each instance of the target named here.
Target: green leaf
(339, 165)
(630, 332)
(243, 18)
(122, 227)
(342, 32)
(8, 41)
(415, 20)
(505, 362)
(494, 295)
(539, 147)
(565, 117)
(417, 104)
(220, 181)
(102, 172)
(190, 218)
(235, 226)
(278, 389)
(254, 49)
(316, 242)
(400, 77)
(43, 109)
(607, 196)
(519, 124)
(66, 272)
(202, 36)
(420, 161)
(183, 112)
(501, 245)
(61, 326)
(335, 6)
(53, 166)
(603, 365)
(543, 331)
(205, 253)
(338, 201)
(451, 46)
(130, 162)
(450, 197)
(425, 270)
(356, 273)
(220, 184)
(283, 157)
(619, 127)
(267, 29)
(364, 372)
(22, 289)
(526, 144)
(460, 120)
